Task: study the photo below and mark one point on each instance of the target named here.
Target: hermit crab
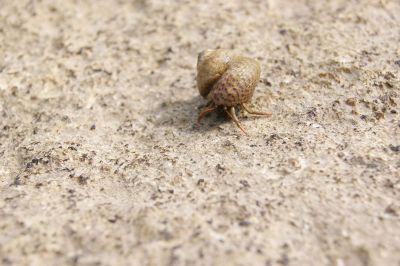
(227, 80)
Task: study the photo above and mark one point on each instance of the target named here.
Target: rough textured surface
(100, 163)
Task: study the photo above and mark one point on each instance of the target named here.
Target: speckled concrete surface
(100, 163)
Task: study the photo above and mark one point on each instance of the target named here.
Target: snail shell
(226, 79)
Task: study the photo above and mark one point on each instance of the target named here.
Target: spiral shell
(225, 78)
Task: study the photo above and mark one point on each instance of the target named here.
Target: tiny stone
(390, 210)
(351, 101)
(394, 148)
(244, 223)
(379, 115)
(244, 183)
(266, 82)
(201, 181)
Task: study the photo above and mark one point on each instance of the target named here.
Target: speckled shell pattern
(227, 79)
(237, 84)
(211, 64)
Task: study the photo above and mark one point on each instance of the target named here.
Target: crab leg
(254, 112)
(232, 115)
(207, 109)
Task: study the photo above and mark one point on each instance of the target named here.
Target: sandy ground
(100, 162)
